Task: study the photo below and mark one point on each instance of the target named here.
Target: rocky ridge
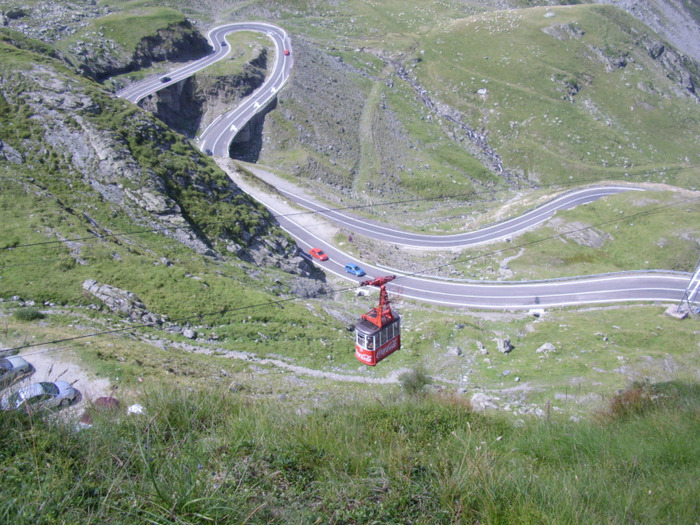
(95, 55)
(101, 58)
(68, 125)
(191, 104)
(669, 18)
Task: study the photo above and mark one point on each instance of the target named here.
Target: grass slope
(548, 87)
(57, 230)
(213, 455)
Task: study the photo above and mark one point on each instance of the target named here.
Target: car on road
(318, 253)
(13, 369)
(286, 52)
(223, 44)
(44, 395)
(165, 79)
(354, 269)
(208, 152)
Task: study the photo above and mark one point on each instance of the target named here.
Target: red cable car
(378, 333)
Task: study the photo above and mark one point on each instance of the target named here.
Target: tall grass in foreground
(204, 456)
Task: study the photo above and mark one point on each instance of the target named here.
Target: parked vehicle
(286, 52)
(44, 395)
(354, 269)
(14, 369)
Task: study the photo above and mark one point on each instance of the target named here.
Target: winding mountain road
(651, 286)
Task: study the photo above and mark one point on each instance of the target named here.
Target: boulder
(121, 301)
(546, 348)
(504, 345)
(481, 402)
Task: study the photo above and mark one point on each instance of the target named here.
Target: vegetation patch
(214, 455)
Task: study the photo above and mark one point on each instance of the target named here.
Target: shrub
(28, 314)
(414, 380)
(636, 399)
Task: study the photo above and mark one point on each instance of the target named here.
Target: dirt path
(54, 366)
(311, 221)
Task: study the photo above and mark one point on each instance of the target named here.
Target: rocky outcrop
(100, 57)
(669, 18)
(136, 167)
(9, 154)
(191, 104)
(93, 53)
(476, 141)
(122, 302)
(676, 66)
(504, 345)
(581, 233)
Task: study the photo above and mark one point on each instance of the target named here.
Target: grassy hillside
(550, 89)
(45, 198)
(558, 95)
(106, 192)
(126, 27)
(213, 455)
(266, 416)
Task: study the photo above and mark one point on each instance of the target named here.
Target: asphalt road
(621, 287)
(215, 140)
(500, 231)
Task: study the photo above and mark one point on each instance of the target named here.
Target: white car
(12, 369)
(43, 395)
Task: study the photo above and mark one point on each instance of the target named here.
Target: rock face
(504, 345)
(193, 103)
(102, 58)
(675, 65)
(135, 166)
(102, 157)
(121, 302)
(94, 54)
(669, 18)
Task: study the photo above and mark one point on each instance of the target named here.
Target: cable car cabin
(372, 344)
(378, 333)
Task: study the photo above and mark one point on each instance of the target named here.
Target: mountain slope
(77, 163)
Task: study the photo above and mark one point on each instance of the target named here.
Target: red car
(318, 254)
(286, 52)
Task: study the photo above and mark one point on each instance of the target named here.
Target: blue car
(354, 269)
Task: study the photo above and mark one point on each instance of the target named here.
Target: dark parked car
(13, 369)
